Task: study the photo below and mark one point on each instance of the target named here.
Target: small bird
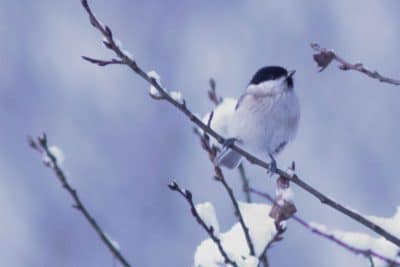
(265, 119)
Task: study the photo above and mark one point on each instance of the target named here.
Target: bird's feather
(228, 158)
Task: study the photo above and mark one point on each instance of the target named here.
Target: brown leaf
(323, 59)
(282, 212)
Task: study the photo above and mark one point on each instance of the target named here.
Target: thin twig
(173, 186)
(324, 57)
(111, 44)
(40, 145)
(212, 93)
(277, 237)
(103, 63)
(219, 176)
(371, 261)
(216, 100)
(263, 258)
(245, 182)
(239, 214)
(365, 252)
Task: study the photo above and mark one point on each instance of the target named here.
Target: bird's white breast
(265, 121)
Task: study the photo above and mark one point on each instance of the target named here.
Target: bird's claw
(229, 142)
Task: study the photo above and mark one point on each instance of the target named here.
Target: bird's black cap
(270, 73)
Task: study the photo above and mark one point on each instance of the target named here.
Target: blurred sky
(122, 148)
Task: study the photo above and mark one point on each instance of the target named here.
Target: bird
(265, 119)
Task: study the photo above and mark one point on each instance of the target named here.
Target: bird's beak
(291, 73)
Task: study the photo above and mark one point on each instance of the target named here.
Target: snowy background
(122, 148)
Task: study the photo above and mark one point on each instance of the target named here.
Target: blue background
(122, 148)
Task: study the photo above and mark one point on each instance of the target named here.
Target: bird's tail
(228, 158)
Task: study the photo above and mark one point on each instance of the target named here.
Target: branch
(324, 57)
(210, 230)
(40, 145)
(212, 93)
(245, 182)
(111, 44)
(238, 213)
(282, 209)
(103, 63)
(219, 176)
(365, 252)
(277, 237)
(263, 258)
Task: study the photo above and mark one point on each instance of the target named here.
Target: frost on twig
(52, 157)
(177, 96)
(58, 156)
(154, 93)
(113, 242)
(323, 57)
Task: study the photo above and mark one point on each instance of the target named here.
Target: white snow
(363, 241)
(318, 226)
(290, 171)
(118, 43)
(207, 214)
(285, 194)
(261, 229)
(222, 115)
(57, 153)
(390, 224)
(114, 243)
(177, 96)
(153, 91)
(250, 261)
(128, 54)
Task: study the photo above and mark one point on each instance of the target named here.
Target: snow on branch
(52, 158)
(357, 243)
(127, 60)
(173, 186)
(323, 57)
(262, 232)
(230, 247)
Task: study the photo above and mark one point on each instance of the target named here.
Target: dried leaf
(282, 212)
(323, 59)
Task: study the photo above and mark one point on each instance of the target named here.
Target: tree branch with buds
(323, 57)
(41, 145)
